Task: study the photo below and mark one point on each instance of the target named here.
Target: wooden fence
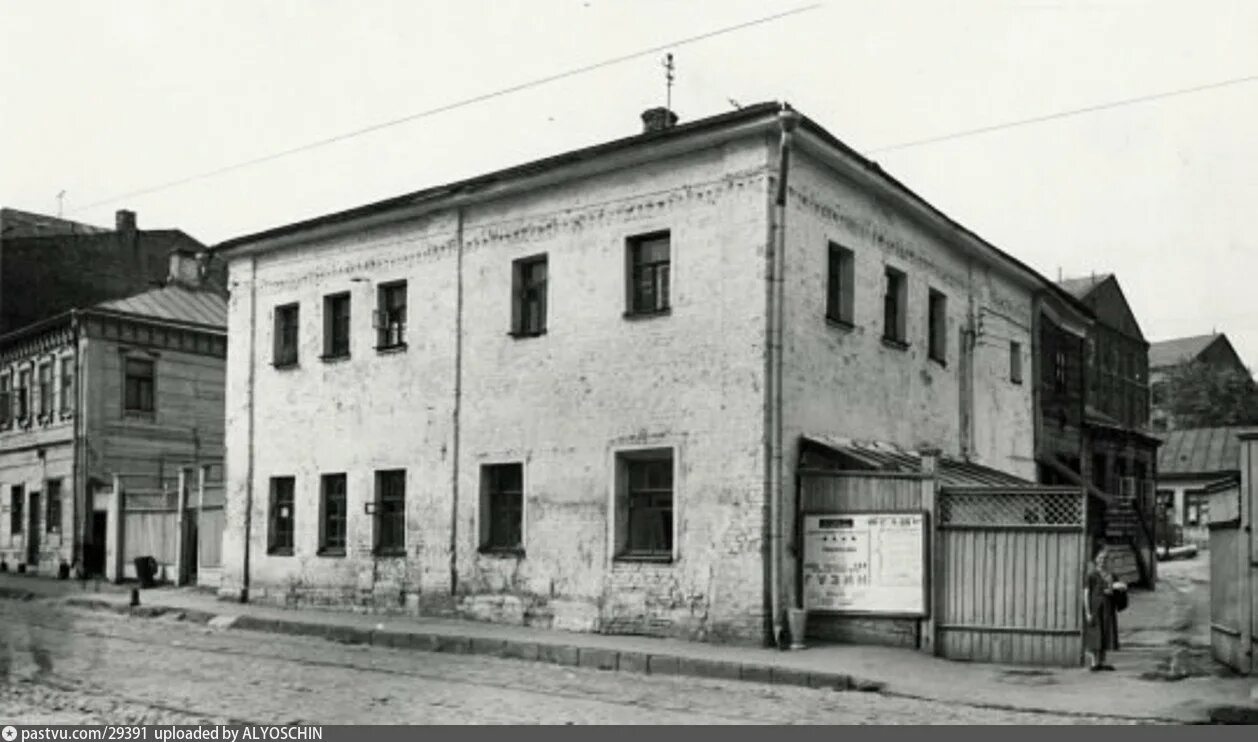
(1234, 566)
(179, 523)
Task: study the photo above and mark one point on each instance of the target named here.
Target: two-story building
(573, 393)
(1212, 352)
(1121, 455)
(128, 386)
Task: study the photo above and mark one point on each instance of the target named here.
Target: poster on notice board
(867, 563)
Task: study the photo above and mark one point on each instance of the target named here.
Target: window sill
(331, 553)
(279, 552)
(645, 558)
(942, 363)
(527, 335)
(504, 552)
(144, 415)
(894, 344)
(389, 554)
(841, 324)
(338, 358)
(285, 366)
(387, 349)
(1016, 381)
(648, 314)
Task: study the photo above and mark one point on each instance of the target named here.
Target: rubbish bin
(146, 571)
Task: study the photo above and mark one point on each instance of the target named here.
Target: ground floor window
(390, 512)
(280, 536)
(644, 505)
(1196, 508)
(52, 522)
(332, 515)
(502, 507)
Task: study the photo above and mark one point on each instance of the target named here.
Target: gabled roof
(1079, 288)
(1179, 350)
(17, 223)
(176, 303)
(888, 457)
(1201, 451)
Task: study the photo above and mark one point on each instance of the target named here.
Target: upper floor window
(23, 406)
(1015, 362)
(6, 400)
(528, 289)
(285, 350)
(45, 389)
(67, 385)
(894, 303)
(937, 326)
(390, 319)
(138, 385)
(649, 267)
(336, 326)
(840, 284)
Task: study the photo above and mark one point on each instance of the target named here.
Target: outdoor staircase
(1129, 541)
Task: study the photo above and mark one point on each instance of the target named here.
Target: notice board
(866, 563)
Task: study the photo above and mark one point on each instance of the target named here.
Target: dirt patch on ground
(1187, 662)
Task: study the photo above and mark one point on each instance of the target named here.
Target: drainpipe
(250, 396)
(458, 403)
(83, 517)
(788, 120)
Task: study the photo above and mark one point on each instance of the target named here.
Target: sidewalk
(847, 667)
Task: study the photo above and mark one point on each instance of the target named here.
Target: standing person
(1099, 613)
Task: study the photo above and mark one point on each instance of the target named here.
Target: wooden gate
(1009, 566)
(1234, 565)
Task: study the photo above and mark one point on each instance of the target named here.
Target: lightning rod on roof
(668, 81)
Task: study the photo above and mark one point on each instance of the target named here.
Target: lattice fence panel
(1011, 508)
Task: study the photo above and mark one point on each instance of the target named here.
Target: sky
(104, 99)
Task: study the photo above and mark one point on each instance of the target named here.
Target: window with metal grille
(45, 389)
(52, 521)
(937, 326)
(390, 319)
(840, 285)
(649, 267)
(17, 504)
(390, 511)
(333, 514)
(528, 284)
(67, 385)
(336, 326)
(645, 527)
(138, 385)
(284, 352)
(502, 507)
(894, 301)
(280, 533)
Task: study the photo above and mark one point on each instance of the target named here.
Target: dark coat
(1101, 633)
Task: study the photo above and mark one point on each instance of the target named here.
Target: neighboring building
(569, 393)
(1193, 463)
(132, 385)
(1121, 459)
(48, 265)
(1214, 350)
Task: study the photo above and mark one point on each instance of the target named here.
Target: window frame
(7, 400)
(279, 357)
(895, 307)
(65, 386)
(492, 493)
(383, 318)
(840, 285)
(623, 506)
(337, 346)
(127, 409)
(937, 326)
(17, 509)
(521, 301)
(379, 547)
(275, 544)
(1015, 362)
(326, 519)
(23, 390)
(44, 381)
(634, 247)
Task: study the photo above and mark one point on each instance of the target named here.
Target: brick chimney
(658, 119)
(124, 221)
(185, 268)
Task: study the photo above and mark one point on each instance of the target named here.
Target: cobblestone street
(62, 665)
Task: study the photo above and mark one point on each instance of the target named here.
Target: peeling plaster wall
(562, 404)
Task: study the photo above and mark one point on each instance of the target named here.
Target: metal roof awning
(821, 452)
